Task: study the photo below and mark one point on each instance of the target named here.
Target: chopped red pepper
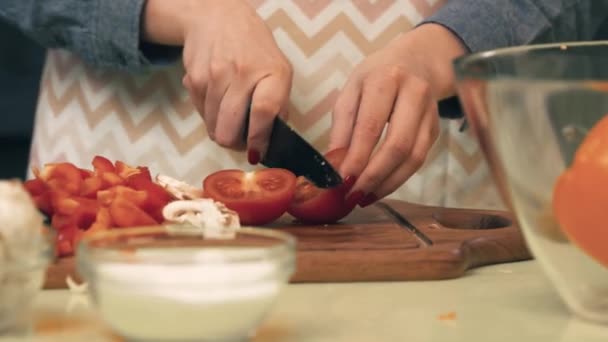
(127, 214)
(62, 176)
(35, 186)
(102, 164)
(91, 186)
(111, 179)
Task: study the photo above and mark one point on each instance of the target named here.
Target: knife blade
(288, 150)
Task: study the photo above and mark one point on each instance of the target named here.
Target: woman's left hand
(397, 87)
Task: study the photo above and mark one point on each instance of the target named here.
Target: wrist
(437, 47)
(165, 22)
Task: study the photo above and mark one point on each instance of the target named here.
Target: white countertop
(508, 302)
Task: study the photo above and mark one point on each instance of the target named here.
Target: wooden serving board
(389, 241)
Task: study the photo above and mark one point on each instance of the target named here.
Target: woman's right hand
(231, 61)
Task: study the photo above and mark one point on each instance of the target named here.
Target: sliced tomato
(259, 197)
(102, 164)
(127, 214)
(320, 206)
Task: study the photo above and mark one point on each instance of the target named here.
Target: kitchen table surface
(508, 302)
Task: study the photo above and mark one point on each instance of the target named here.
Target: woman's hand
(231, 61)
(396, 88)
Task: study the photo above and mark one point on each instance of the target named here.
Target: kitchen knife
(288, 150)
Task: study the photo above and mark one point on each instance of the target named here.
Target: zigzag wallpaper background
(149, 120)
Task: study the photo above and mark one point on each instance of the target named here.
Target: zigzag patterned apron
(149, 120)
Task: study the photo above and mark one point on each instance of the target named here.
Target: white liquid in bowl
(214, 301)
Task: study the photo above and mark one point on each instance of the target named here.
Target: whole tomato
(580, 195)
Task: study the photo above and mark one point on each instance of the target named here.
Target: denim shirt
(106, 33)
(489, 24)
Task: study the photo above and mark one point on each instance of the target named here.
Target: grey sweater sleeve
(105, 33)
(489, 24)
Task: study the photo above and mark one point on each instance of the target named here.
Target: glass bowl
(169, 283)
(21, 279)
(530, 107)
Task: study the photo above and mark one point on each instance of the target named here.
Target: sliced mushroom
(180, 190)
(215, 220)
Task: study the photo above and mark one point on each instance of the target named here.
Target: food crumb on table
(448, 316)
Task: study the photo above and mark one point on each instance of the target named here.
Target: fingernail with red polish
(368, 199)
(253, 156)
(354, 198)
(348, 183)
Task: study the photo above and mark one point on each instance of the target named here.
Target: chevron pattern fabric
(149, 120)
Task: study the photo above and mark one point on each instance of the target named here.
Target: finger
(270, 97)
(231, 115)
(198, 100)
(376, 104)
(429, 131)
(284, 114)
(219, 78)
(410, 107)
(344, 114)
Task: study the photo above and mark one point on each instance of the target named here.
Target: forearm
(489, 24)
(105, 33)
(164, 21)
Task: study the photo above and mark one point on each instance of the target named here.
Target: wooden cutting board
(390, 241)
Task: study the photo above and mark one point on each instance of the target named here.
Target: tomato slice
(259, 197)
(320, 206)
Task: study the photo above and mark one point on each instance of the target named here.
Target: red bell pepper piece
(62, 176)
(127, 214)
(91, 186)
(35, 186)
(102, 164)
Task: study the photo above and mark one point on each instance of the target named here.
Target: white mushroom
(213, 218)
(180, 190)
(20, 223)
